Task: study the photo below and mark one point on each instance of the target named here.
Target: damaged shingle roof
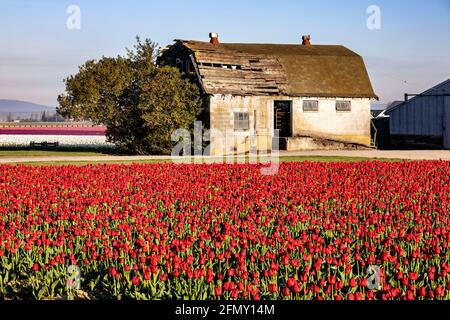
(294, 70)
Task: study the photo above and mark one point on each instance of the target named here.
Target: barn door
(283, 118)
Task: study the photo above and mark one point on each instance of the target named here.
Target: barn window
(343, 106)
(310, 106)
(241, 121)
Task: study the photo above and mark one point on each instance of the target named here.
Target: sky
(409, 52)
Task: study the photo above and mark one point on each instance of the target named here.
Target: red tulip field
(166, 231)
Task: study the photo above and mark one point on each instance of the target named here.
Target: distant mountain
(16, 106)
(11, 110)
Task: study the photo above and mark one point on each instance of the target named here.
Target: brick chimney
(306, 41)
(214, 39)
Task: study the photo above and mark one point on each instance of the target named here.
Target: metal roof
(429, 92)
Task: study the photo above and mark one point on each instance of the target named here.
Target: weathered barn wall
(447, 123)
(353, 126)
(327, 123)
(421, 116)
(424, 116)
(222, 109)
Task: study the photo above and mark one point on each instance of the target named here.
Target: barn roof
(393, 105)
(294, 70)
(440, 88)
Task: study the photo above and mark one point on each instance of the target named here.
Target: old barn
(313, 96)
(423, 120)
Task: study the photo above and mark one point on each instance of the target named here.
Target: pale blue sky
(37, 51)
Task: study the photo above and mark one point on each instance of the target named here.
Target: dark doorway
(282, 118)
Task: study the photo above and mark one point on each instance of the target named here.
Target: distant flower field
(66, 136)
(168, 231)
(64, 140)
(54, 131)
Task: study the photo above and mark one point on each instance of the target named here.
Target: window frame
(237, 122)
(346, 110)
(310, 110)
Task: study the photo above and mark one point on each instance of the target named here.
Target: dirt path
(394, 154)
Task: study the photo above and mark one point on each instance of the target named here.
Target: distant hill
(23, 110)
(17, 106)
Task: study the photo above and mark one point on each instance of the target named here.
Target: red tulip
(439, 291)
(208, 225)
(135, 281)
(291, 282)
(273, 287)
(112, 271)
(218, 291)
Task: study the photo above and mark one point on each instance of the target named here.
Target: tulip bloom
(225, 231)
